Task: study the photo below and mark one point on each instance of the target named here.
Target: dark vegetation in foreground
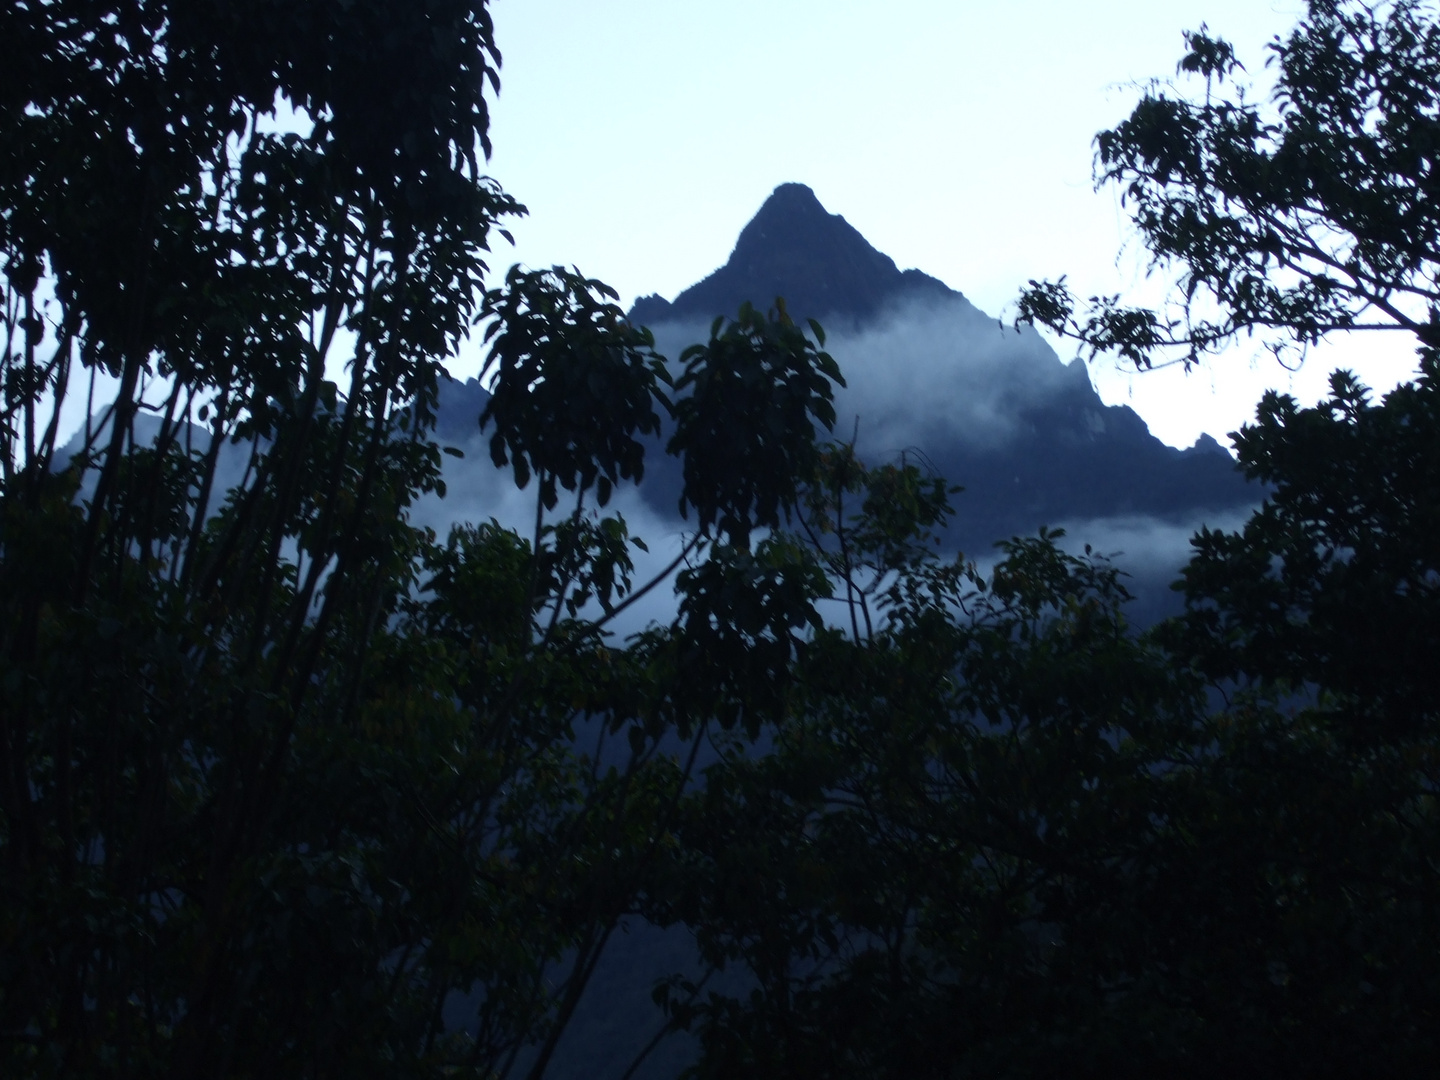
(281, 785)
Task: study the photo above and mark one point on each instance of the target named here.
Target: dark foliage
(290, 787)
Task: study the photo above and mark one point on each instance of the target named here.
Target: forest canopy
(291, 786)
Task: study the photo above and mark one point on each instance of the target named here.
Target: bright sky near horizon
(956, 136)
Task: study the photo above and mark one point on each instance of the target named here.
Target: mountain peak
(792, 197)
(793, 218)
(795, 248)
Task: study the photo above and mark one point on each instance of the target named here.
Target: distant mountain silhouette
(1067, 457)
(797, 249)
(932, 376)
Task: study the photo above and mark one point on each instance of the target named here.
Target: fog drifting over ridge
(1025, 433)
(929, 375)
(926, 369)
(1149, 549)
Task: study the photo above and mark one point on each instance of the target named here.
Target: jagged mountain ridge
(1065, 456)
(933, 376)
(793, 247)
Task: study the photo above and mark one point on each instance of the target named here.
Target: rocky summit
(797, 249)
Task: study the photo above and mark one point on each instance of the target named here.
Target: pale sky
(956, 136)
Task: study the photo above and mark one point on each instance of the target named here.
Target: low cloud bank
(1149, 551)
(476, 492)
(928, 368)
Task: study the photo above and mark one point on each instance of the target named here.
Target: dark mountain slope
(996, 411)
(797, 249)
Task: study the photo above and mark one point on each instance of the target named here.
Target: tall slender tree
(288, 786)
